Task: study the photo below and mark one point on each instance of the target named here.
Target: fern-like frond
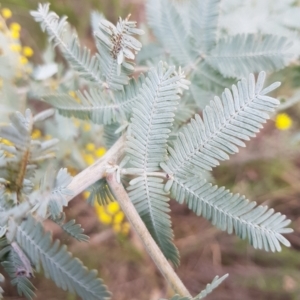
(80, 59)
(185, 110)
(94, 105)
(98, 105)
(110, 135)
(204, 26)
(58, 264)
(117, 48)
(233, 213)
(238, 55)
(151, 123)
(201, 144)
(153, 117)
(100, 192)
(151, 202)
(128, 97)
(52, 193)
(75, 230)
(17, 272)
(71, 228)
(210, 79)
(15, 212)
(207, 82)
(211, 286)
(169, 29)
(18, 131)
(96, 17)
(17, 169)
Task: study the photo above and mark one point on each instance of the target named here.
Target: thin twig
(133, 217)
(97, 170)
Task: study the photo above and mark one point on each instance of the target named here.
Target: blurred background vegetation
(267, 171)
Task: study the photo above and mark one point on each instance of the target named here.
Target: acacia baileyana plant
(159, 147)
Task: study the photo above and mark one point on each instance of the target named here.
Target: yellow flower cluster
(27, 51)
(91, 153)
(112, 215)
(7, 143)
(14, 33)
(36, 134)
(283, 121)
(73, 95)
(6, 13)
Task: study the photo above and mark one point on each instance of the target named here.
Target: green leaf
(71, 228)
(205, 15)
(58, 31)
(94, 105)
(100, 192)
(58, 264)
(238, 55)
(99, 106)
(170, 30)
(226, 123)
(233, 213)
(151, 124)
(17, 271)
(117, 48)
(200, 146)
(211, 286)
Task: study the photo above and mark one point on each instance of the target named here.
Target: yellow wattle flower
(27, 51)
(125, 228)
(283, 121)
(6, 13)
(104, 218)
(23, 60)
(36, 133)
(112, 208)
(15, 26)
(15, 34)
(15, 47)
(100, 151)
(89, 159)
(86, 127)
(90, 147)
(119, 217)
(6, 142)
